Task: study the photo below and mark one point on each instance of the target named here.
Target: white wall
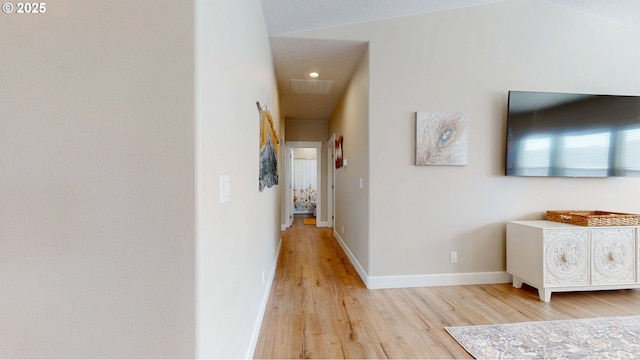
(117, 120)
(304, 153)
(237, 241)
(306, 130)
(351, 120)
(467, 60)
(97, 181)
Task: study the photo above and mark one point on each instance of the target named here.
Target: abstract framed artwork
(339, 153)
(441, 138)
(268, 175)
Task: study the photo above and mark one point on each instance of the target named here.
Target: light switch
(361, 183)
(225, 189)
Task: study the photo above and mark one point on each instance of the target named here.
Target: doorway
(304, 178)
(303, 181)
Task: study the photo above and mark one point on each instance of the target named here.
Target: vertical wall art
(339, 155)
(441, 138)
(268, 176)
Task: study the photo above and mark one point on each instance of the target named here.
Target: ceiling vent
(313, 87)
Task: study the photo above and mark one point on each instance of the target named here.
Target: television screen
(572, 135)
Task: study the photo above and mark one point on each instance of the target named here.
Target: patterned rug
(595, 338)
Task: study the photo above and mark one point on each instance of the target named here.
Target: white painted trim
(352, 258)
(283, 227)
(263, 306)
(426, 280)
(288, 221)
(331, 178)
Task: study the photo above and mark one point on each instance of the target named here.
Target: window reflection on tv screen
(572, 135)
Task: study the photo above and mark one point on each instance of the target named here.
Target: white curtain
(304, 183)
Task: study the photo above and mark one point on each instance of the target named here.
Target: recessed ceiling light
(314, 74)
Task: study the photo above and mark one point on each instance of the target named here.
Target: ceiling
(335, 60)
(295, 58)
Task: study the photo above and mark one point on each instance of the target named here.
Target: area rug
(595, 338)
(310, 221)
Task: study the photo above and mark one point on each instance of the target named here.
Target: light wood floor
(319, 307)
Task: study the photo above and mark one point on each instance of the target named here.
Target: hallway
(319, 307)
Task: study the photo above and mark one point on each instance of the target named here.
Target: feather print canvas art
(441, 138)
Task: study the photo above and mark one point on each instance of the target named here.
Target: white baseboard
(352, 258)
(283, 227)
(424, 280)
(263, 305)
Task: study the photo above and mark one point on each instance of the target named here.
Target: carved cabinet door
(566, 257)
(613, 255)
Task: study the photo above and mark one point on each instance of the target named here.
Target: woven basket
(593, 218)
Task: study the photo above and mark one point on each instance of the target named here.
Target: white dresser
(553, 256)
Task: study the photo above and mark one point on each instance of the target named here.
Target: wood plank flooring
(319, 307)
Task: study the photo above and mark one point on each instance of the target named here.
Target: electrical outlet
(342, 229)
(454, 257)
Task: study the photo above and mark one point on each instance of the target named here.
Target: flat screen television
(572, 135)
